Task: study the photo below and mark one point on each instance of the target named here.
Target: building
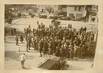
(76, 12)
(92, 13)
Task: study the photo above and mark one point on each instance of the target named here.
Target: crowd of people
(60, 41)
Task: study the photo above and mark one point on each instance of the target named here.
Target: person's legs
(16, 42)
(40, 53)
(27, 46)
(22, 64)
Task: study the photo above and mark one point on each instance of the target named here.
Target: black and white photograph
(50, 37)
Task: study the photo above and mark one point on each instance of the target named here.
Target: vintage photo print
(50, 37)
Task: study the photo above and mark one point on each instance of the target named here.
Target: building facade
(76, 12)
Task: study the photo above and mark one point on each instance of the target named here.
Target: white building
(76, 12)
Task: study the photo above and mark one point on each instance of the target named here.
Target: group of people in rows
(60, 41)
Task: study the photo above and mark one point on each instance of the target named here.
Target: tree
(49, 9)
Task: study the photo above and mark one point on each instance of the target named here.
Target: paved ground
(12, 53)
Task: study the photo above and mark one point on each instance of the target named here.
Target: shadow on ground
(12, 55)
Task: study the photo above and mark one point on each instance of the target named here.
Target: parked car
(42, 15)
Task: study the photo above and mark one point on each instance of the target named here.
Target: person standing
(17, 39)
(21, 38)
(22, 60)
(41, 47)
(29, 41)
(45, 47)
